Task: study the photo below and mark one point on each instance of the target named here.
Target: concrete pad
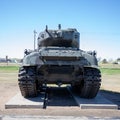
(99, 102)
(18, 101)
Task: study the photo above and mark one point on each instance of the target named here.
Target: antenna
(46, 28)
(34, 38)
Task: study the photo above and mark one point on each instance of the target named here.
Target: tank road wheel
(27, 83)
(91, 84)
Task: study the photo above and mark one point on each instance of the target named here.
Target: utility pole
(7, 60)
(34, 38)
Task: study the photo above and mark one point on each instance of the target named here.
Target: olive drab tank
(58, 60)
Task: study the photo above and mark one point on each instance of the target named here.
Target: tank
(59, 60)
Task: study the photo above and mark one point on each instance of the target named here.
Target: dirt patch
(7, 90)
(111, 83)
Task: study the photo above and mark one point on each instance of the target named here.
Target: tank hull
(54, 65)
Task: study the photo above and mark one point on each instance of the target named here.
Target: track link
(91, 83)
(27, 83)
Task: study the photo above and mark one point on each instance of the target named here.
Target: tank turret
(60, 38)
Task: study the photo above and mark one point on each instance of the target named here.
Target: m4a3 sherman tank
(58, 60)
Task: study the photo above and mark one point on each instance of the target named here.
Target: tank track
(26, 82)
(91, 83)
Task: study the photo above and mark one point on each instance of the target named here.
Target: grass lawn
(106, 69)
(8, 73)
(110, 71)
(110, 77)
(9, 68)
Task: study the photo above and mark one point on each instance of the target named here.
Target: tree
(118, 59)
(104, 61)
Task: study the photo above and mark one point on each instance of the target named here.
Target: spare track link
(27, 83)
(92, 79)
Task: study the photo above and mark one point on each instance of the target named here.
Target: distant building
(11, 60)
(2, 60)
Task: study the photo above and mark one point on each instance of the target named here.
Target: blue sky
(98, 22)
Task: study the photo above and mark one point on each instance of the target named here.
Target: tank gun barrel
(48, 32)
